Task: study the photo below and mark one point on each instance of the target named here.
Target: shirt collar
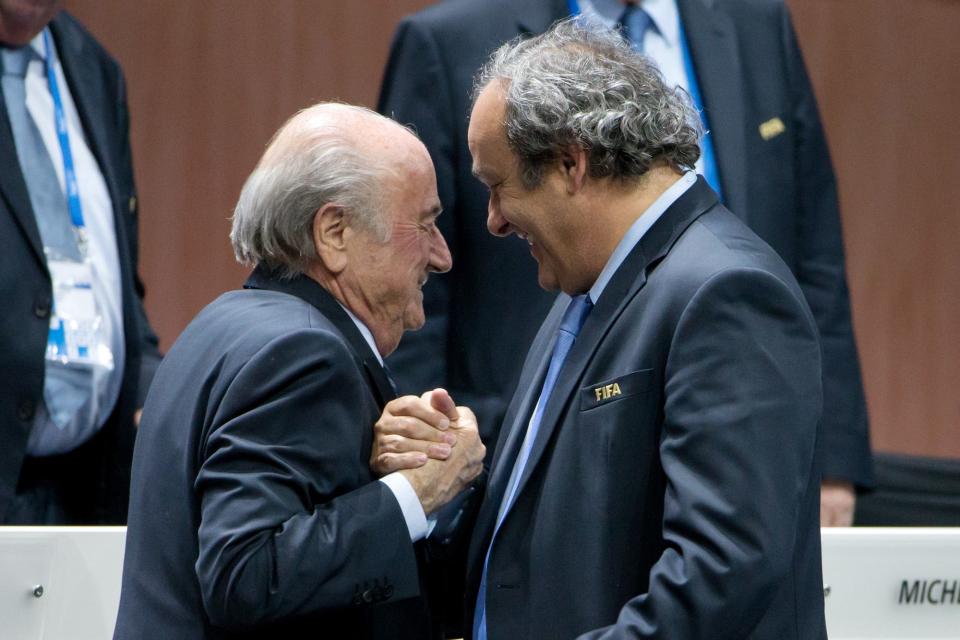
(664, 13)
(637, 230)
(365, 332)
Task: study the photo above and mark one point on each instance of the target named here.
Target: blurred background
(210, 81)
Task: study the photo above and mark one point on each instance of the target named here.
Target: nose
(496, 223)
(440, 259)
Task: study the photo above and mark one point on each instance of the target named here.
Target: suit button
(41, 308)
(25, 410)
(368, 596)
(387, 592)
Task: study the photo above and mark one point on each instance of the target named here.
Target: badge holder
(76, 325)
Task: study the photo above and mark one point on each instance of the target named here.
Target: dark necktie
(46, 195)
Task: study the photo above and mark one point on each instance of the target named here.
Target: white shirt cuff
(409, 504)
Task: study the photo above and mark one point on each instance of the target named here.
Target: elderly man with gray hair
(253, 509)
(655, 475)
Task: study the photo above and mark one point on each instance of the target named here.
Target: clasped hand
(432, 442)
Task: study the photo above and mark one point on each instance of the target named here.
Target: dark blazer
(253, 510)
(98, 473)
(685, 504)
(483, 314)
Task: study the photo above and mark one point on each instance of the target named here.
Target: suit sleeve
(281, 533)
(742, 403)
(415, 92)
(822, 276)
(149, 344)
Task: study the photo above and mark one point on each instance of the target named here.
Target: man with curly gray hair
(655, 475)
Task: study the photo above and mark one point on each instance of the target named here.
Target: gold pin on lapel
(132, 204)
(772, 128)
(607, 391)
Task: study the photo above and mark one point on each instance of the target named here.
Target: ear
(573, 167)
(329, 229)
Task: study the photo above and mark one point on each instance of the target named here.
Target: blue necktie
(46, 195)
(573, 319)
(635, 22)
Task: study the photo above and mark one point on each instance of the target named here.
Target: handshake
(432, 442)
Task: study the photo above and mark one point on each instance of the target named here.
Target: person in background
(765, 155)
(76, 350)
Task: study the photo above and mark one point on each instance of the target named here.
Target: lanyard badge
(76, 325)
(77, 332)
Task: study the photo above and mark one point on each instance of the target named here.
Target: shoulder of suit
(257, 317)
(724, 241)
(75, 34)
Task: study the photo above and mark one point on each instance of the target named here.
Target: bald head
(365, 131)
(327, 153)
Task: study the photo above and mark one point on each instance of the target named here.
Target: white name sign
(886, 583)
(60, 582)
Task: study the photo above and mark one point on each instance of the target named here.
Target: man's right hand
(412, 427)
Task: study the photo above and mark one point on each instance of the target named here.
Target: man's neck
(619, 205)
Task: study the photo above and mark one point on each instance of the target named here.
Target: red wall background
(209, 82)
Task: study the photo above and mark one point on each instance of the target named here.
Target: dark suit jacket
(482, 315)
(99, 471)
(685, 505)
(253, 509)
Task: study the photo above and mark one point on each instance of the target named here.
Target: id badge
(76, 325)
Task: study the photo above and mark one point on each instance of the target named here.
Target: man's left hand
(837, 500)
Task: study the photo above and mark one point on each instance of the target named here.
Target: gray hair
(582, 84)
(310, 162)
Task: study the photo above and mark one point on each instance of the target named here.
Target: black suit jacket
(483, 314)
(253, 510)
(682, 502)
(99, 471)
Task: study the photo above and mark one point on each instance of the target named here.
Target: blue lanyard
(710, 170)
(69, 173)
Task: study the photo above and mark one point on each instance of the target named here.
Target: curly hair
(581, 84)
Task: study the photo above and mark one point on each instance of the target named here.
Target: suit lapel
(511, 435)
(713, 44)
(628, 280)
(311, 292)
(521, 407)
